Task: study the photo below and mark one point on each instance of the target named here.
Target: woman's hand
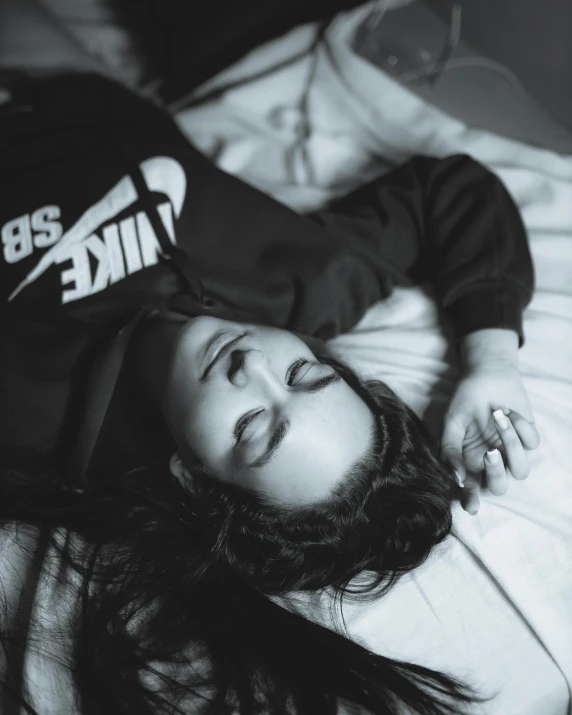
(489, 424)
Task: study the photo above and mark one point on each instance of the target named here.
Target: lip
(217, 347)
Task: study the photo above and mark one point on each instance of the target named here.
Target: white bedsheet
(494, 603)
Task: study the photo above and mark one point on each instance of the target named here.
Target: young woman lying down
(167, 394)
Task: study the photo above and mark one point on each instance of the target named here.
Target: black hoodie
(108, 212)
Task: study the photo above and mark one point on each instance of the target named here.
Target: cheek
(205, 431)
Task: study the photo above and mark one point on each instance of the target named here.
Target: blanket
(493, 604)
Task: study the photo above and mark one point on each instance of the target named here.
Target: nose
(251, 368)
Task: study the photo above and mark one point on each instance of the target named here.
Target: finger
(452, 447)
(470, 500)
(495, 472)
(516, 459)
(526, 430)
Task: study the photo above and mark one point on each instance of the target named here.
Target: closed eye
(244, 421)
(294, 370)
(301, 368)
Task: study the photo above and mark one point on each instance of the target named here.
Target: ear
(178, 469)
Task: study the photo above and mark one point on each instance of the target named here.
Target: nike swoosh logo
(161, 173)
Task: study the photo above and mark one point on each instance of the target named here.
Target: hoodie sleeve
(452, 223)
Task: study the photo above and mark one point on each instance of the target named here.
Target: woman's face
(259, 410)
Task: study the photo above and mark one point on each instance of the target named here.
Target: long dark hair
(171, 611)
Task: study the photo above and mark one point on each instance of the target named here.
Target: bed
(493, 605)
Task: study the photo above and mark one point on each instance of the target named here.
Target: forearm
(450, 222)
(491, 348)
(483, 269)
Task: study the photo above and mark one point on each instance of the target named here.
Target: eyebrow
(282, 430)
(322, 383)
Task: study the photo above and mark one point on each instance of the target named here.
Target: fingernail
(501, 419)
(493, 456)
(460, 482)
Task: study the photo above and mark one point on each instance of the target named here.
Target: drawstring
(100, 394)
(181, 262)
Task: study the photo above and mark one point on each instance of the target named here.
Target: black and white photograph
(286, 357)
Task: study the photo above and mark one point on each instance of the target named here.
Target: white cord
(455, 31)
